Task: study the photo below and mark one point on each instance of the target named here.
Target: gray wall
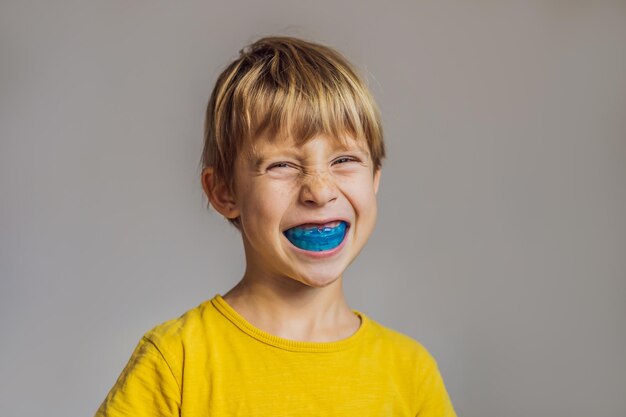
(501, 241)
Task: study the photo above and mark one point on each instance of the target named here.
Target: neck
(292, 310)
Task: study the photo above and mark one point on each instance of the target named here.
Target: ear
(376, 180)
(219, 195)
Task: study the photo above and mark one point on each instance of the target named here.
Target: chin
(319, 280)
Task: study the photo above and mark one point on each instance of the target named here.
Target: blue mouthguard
(316, 239)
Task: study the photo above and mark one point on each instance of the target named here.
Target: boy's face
(280, 186)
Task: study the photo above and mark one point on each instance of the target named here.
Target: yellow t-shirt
(211, 362)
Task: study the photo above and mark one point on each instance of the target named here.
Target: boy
(292, 158)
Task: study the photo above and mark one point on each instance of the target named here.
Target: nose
(318, 189)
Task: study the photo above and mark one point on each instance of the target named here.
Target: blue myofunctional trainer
(316, 238)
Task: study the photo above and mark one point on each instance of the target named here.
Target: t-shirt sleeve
(435, 401)
(146, 387)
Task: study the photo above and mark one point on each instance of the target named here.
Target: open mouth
(317, 237)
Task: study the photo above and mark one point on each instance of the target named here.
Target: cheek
(266, 203)
(361, 193)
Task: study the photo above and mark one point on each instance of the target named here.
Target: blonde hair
(283, 87)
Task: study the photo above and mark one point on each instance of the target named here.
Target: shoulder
(173, 336)
(409, 368)
(414, 370)
(189, 319)
(400, 346)
(152, 381)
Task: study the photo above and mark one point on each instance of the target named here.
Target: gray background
(501, 241)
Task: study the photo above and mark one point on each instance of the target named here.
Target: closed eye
(281, 164)
(344, 159)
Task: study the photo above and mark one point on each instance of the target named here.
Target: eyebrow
(257, 162)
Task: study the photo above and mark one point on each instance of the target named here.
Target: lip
(325, 253)
(321, 221)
